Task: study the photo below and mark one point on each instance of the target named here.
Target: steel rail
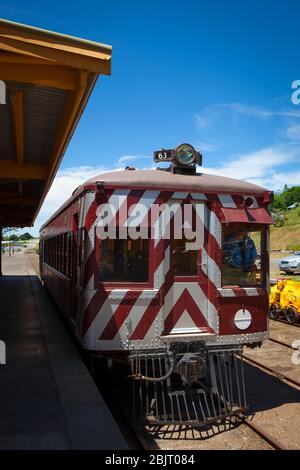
(282, 343)
(285, 322)
(272, 441)
(277, 374)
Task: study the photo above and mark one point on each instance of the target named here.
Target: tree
(25, 236)
(13, 237)
(286, 197)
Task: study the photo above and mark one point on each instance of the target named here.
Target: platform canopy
(46, 79)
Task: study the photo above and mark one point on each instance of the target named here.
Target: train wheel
(274, 312)
(291, 315)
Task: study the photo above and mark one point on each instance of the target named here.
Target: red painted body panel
(88, 301)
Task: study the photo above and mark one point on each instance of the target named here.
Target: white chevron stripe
(161, 271)
(81, 211)
(215, 228)
(89, 198)
(147, 200)
(135, 315)
(213, 270)
(225, 292)
(173, 296)
(116, 199)
(106, 312)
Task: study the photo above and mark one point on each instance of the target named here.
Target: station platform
(48, 399)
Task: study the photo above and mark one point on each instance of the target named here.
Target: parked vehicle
(291, 264)
(285, 300)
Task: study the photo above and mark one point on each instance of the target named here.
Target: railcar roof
(165, 180)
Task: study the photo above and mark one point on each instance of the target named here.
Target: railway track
(274, 443)
(274, 372)
(282, 343)
(143, 440)
(150, 444)
(281, 320)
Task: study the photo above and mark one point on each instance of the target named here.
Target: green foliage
(285, 198)
(292, 217)
(25, 236)
(12, 237)
(278, 219)
(293, 247)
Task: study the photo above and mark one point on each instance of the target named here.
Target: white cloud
(209, 115)
(259, 167)
(131, 158)
(258, 111)
(65, 182)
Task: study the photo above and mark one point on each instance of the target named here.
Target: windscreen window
(185, 261)
(124, 260)
(242, 256)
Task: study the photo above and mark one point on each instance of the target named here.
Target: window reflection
(124, 260)
(185, 262)
(242, 256)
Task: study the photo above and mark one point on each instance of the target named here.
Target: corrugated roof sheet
(43, 108)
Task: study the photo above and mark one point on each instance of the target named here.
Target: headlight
(242, 319)
(186, 154)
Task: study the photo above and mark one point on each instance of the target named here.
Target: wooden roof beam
(12, 171)
(16, 201)
(72, 57)
(61, 77)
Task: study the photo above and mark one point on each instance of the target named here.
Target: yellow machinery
(285, 300)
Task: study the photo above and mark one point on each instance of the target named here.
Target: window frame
(124, 284)
(251, 228)
(196, 277)
(54, 255)
(180, 277)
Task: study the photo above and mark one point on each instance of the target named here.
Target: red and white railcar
(172, 311)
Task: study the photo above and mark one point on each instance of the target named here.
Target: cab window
(124, 260)
(242, 255)
(185, 262)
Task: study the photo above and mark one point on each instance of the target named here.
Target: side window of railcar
(242, 256)
(57, 253)
(124, 260)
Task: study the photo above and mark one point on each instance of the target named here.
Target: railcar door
(186, 305)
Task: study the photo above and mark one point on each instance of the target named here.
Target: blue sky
(216, 74)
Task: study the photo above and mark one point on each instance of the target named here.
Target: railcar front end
(168, 268)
